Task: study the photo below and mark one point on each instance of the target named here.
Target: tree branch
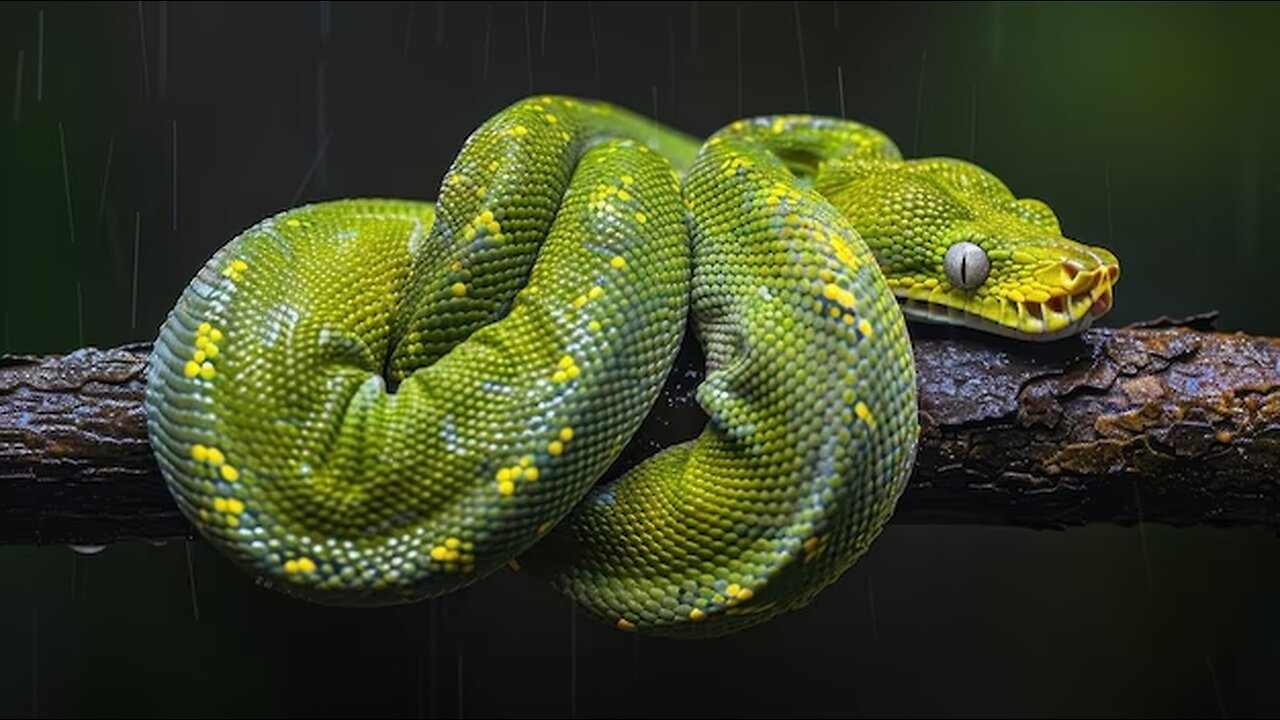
(1161, 424)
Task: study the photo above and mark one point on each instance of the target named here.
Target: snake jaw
(1032, 314)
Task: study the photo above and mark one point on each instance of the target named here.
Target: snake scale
(375, 401)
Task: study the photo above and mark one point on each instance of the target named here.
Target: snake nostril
(1070, 269)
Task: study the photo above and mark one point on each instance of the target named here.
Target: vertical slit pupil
(964, 261)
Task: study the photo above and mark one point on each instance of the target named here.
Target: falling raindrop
(997, 32)
(306, 179)
(66, 182)
(528, 46)
(835, 13)
(488, 35)
(142, 37)
(40, 60)
(325, 15)
(840, 85)
(924, 61)
(542, 48)
(408, 30)
(88, 549)
(17, 86)
(137, 239)
(191, 581)
(1217, 690)
(106, 176)
(804, 76)
(440, 23)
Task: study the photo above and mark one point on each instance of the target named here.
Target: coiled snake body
(377, 401)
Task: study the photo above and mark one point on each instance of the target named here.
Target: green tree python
(374, 401)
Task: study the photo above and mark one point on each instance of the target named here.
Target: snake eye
(966, 265)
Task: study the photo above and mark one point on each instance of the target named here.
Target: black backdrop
(169, 127)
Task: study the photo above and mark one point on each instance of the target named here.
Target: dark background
(146, 135)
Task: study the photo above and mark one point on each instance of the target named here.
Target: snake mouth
(1037, 315)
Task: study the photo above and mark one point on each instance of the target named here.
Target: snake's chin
(924, 311)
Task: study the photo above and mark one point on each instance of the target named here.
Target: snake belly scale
(374, 401)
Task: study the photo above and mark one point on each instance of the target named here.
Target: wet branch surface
(1171, 423)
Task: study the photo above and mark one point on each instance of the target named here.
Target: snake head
(958, 248)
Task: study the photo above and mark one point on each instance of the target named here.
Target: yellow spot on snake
(459, 289)
(206, 371)
(595, 292)
(566, 362)
(555, 447)
(745, 594)
(199, 453)
(201, 342)
(580, 301)
(216, 457)
(566, 433)
(832, 291)
(211, 351)
(292, 223)
(847, 319)
(504, 475)
(481, 191)
(864, 327)
(215, 335)
(439, 552)
(235, 506)
(519, 131)
(191, 369)
(199, 356)
(220, 504)
(560, 376)
(618, 262)
(552, 118)
(506, 488)
(233, 521)
(229, 473)
(531, 474)
(641, 217)
(594, 326)
(625, 624)
(573, 372)
(627, 180)
(732, 590)
(624, 196)
(452, 543)
(696, 615)
(864, 413)
(204, 329)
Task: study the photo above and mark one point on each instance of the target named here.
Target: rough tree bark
(1166, 423)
